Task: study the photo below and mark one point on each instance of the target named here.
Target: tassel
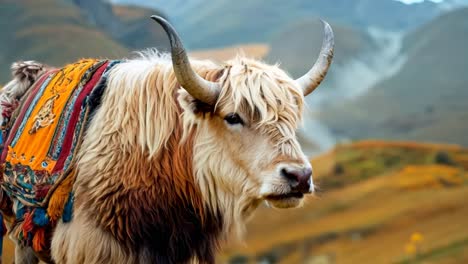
(38, 241)
(60, 197)
(20, 211)
(28, 224)
(27, 242)
(40, 217)
(68, 210)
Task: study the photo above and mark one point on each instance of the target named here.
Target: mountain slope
(129, 25)
(61, 31)
(298, 45)
(217, 23)
(426, 99)
(50, 31)
(138, 31)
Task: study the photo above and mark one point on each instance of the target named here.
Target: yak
(178, 155)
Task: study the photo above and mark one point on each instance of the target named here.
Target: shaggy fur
(162, 178)
(24, 73)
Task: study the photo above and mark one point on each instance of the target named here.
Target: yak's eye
(233, 119)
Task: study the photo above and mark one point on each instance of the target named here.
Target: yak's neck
(219, 181)
(147, 198)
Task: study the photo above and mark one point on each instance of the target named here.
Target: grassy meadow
(374, 197)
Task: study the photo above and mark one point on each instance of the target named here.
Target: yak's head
(246, 124)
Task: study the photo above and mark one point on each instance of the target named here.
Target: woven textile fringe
(59, 198)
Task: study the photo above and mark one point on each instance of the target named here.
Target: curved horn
(195, 85)
(315, 76)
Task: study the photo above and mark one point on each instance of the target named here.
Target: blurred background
(387, 131)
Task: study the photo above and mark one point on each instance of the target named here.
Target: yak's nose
(299, 179)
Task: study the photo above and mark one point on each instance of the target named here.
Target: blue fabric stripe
(55, 149)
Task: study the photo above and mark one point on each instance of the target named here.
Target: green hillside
(426, 99)
(60, 31)
(50, 31)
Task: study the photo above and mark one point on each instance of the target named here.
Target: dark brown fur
(155, 206)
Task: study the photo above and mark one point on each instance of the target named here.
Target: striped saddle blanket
(39, 144)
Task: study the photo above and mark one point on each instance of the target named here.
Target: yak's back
(40, 140)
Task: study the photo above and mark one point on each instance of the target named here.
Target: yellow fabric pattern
(32, 146)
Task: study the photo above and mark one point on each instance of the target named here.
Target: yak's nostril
(292, 177)
(299, 179)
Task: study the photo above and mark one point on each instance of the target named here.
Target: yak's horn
(315, 76)
(195, 85)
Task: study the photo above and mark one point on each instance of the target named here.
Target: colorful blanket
(40, 144)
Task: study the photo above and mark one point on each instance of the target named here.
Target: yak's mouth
(286, 200)
(285, 196)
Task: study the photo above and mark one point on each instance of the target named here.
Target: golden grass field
(375, 196)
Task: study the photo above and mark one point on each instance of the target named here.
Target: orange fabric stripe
(33, 145)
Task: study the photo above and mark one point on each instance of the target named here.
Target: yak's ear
(192, 105)
(195, 106)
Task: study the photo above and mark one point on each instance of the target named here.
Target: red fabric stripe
(68, 140)
(23, 112)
